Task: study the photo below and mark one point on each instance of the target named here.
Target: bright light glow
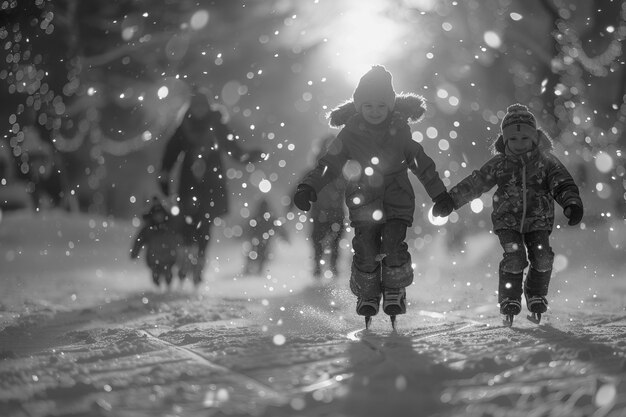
(492, 39)
(606, 395)
(279, 340)
(199, 19)
(604, 162)
(437, 221)
(163, 92)
(377, 215)
(603, 190)
(477, 205)
(265, 186)
(364, 35)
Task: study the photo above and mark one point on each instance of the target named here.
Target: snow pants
(325, 237)
(515, 260)
(381, 258)
(197, 233)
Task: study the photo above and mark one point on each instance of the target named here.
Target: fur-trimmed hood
(409, 106)
(544, 143)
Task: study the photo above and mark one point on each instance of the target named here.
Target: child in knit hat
(529, 178)
(373, 152)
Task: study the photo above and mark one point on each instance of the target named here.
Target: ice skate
(368, 308)
(510, 308)
(394, 303)
(537, 305)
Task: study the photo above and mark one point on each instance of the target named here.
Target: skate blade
(393, 321)
(535, 318)
(508, 320)
(368, 322)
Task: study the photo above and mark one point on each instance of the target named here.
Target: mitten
(443, 205)
(305, 194)
(164, 183)
(574, 213)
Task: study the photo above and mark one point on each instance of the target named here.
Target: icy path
(282, 345)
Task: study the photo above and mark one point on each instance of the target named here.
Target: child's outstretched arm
(565, 191)
(138, 243)
(476, 184)
(425, 170)
(327, 169)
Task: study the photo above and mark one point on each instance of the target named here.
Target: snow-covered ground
(83, 332)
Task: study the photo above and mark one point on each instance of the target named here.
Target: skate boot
(394, 303)
(537, 305)
(510, 308)
(367, 307)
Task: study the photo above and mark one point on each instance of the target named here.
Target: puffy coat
(202, 188)
(527, 186)
(375, 161)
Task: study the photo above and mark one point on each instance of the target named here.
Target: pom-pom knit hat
(518, 118)
(375, 85)
(518, 114)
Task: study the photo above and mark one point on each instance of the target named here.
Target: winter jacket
(527, 186)
(374, 160)
(202, 188)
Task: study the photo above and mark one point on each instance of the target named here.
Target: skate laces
(510, 306)
(537, 304)
(394, 301)
(367, 306)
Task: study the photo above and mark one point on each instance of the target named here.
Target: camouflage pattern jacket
(527, 186)
(375, 161)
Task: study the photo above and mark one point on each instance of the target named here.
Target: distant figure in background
(202, 190)
(38, 164)
(13, 193)
(528, 178)
(164, 246)
(328, 215)
(262, 228)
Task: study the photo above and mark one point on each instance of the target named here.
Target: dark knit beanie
(375, 85)
(518, 114)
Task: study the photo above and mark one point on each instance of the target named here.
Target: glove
(444, 204)
(164, 183)
(305, 194)
(574, 213)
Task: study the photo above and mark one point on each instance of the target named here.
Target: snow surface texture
(83, 332)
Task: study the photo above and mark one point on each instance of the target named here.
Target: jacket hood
(544, 143)
(409, 106)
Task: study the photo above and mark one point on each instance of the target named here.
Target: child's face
(519, 141)
(374, 112)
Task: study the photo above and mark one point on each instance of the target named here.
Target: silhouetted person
(202, 190)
